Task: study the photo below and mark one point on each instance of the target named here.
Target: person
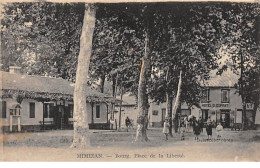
(219, 129)
(127, 123)
(139, 128)
(186, 121)
(209, 129)
(166, 126)
(196, 129)
(201, 124)
(182, 130)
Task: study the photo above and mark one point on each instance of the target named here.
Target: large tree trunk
(114, 88)
(143, 120)
(177, 100)
(102, 83)
(169, 100)
(256, 104)
(243, 93)
(80, 117)
(120, 108)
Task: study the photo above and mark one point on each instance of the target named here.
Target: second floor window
(205, 96)
(225, 96)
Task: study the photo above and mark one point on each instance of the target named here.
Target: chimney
(15, 69)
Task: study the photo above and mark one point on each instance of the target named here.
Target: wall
(215, 105)
(27, 121)
(25, 112)
(103, 113)
(257, 118)
(215, 98)
(156, 120)
(127, 111)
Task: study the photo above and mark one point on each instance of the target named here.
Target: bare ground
(120, 146)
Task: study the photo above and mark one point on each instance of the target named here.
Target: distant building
(220, 103)
(29, 103)
(128, 109)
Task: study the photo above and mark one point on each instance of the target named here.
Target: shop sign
(214, 105)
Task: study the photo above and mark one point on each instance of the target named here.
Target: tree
(80, 107)
(42, 38)
(242, 47)
(185, 52)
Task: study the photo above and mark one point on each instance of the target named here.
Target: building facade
(30, 103)
(220, 102)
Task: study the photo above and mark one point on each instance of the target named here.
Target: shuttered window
(3, 104)
(32, 110)
(224, 96)
(97, 111)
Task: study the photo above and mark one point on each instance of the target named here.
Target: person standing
(182, 130)
(219, 129)
(201, 124)
(209, 129)
(166, 127)
(127, 123)
(196, 129)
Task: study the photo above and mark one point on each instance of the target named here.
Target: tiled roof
(40, 84)
(226, 79)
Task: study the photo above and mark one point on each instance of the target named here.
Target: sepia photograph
(130, 81)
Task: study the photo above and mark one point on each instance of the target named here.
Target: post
(107, 112)
(11, 123)
(92, 113)
(19, 123)
(43, 127)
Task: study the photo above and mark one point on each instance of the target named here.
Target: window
(32, 110)
(97, 111)
(48, 110)
(224, 96)
(155, 112)
(205, 96)
(3, 104)
(71, 110)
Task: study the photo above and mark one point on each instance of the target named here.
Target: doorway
(225, 118)
(205, 114)
(61, 117)
(163, 116)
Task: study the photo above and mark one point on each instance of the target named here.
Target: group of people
(197, 126)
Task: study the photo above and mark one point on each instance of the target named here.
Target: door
(205, 115)
(225, 118)
(59, 117)
(163, 116)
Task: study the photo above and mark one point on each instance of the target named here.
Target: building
(30, 103)
(220, 102)
(157, 113)
(128, 109)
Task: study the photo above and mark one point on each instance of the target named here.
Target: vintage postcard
(130, 81)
